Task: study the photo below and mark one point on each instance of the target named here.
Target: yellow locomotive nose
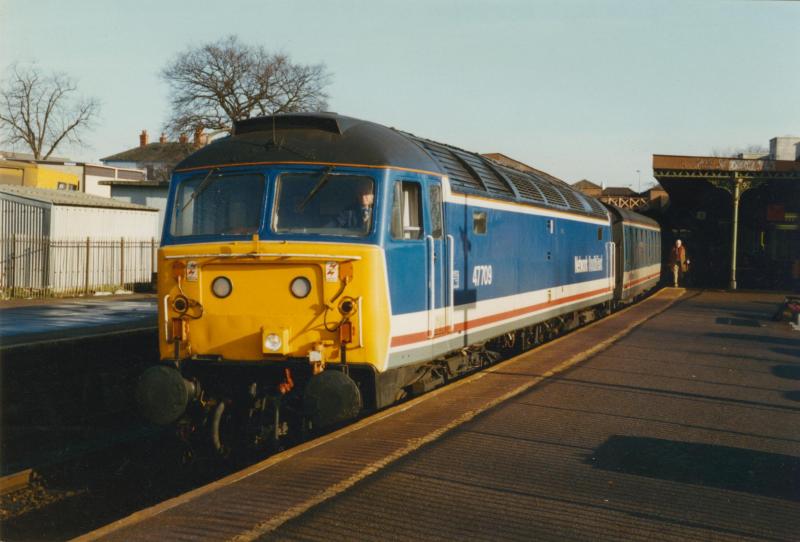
(247, 302)
(261, 311)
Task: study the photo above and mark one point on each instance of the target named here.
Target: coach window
(599, 234)
(407, 211)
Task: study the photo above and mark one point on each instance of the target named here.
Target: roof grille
(524, 186)
(597, 207)
(471, 173)
(459, 176)
(574, 202)
(488, 178)
(551, 194)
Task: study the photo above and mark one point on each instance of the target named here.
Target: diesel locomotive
(315, 266)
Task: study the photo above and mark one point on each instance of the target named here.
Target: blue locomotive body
(305, 244)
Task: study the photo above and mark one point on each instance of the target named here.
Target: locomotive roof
(330, 138)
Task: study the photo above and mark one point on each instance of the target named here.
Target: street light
(639, 173)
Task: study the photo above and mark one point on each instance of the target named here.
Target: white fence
(36, 266)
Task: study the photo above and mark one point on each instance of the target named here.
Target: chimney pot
(163, 138)
(143, 138)
(183, 138)
(199, 137)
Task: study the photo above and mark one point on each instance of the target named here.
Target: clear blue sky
(582, 89)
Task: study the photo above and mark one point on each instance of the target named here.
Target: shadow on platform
(792, 372)
(794, 352)
(792, 395)
(723, 467)
(746, 322)
(755, 338)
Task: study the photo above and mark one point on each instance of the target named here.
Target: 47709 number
(482, 275)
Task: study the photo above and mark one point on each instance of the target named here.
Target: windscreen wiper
(199, 190)
(326, 175)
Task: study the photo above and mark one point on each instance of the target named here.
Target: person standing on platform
(678, 262)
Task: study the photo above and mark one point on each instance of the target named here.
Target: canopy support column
(736, 186)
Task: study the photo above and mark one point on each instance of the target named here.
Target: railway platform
(54, 319)
(676, 419)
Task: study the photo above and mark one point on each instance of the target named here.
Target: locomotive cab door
(418, 255)
(437, 259)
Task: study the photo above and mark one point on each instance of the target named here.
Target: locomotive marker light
(180, 304)
(178, 268)
(347, 306)
(300, 287)
(222, 287)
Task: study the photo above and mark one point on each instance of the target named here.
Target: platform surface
(649, 425)
(70, 318)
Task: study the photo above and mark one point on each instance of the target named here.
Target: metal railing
(37, 266)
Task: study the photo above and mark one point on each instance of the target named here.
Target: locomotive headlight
(272, 342)
(300, 287)
(222, 287)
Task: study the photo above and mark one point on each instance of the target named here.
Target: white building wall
(784, 148)
(68, 222)
(153, 197)
(92, 187)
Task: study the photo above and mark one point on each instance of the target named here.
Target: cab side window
(435, 199)
(407, 211)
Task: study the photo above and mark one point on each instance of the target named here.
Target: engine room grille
(472, 173)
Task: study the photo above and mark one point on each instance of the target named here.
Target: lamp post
(639, 186)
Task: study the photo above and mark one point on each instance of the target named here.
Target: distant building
(625, 198)
(62, 174)
(515, 164)
(589, 188)
(37, 175)
(784, 148)
(151, 193)
(157, 159)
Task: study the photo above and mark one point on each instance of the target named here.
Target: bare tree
(732, 152)
(43, 110)
(217, 83)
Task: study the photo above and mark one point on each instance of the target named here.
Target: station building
(653, 199)
(738, 216)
